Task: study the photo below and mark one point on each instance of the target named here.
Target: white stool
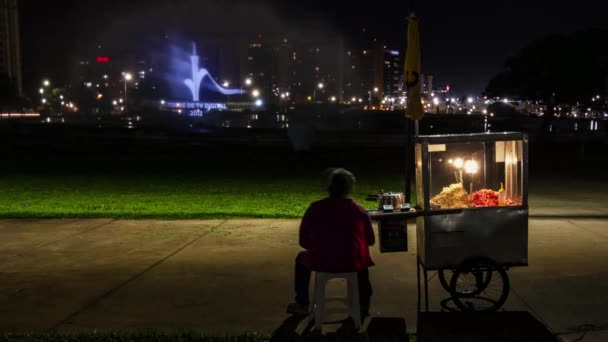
(351, 300)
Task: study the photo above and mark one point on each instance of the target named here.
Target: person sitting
(336, 233)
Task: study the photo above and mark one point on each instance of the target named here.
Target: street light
(226, 84)
(128, 77)
(255, 93)
(436, 103)
(248, 82)
(314, 92)
(46, 83)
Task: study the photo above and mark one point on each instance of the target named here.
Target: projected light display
(198, 75)
(196, 107)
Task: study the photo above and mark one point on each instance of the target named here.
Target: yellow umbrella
(412, 71)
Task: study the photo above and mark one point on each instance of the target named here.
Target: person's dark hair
(340, 183)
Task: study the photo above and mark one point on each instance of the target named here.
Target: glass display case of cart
(473, 190)
(471, 171)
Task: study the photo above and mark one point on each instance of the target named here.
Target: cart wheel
(482, 279)
(444, 283)
(465, 286)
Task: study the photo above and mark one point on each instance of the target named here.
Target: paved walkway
(568, 198)
(236, 275)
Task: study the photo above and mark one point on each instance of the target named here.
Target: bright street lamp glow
(46, 83)
(333, 99)
(321, 85)
(259, 103)
(248, 81)
(128, 77)
(376, 90)
(41, 91)
(470, 100)
(435, 101)
(162, 102)
(226, 84)
(43, 100)
(255, 93)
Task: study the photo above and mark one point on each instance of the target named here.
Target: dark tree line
(562, 68)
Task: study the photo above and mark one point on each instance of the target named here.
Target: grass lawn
(170, 187)
(132, 197)
(197, 184)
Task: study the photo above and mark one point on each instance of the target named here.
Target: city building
(314, 72)
(299, 71)
(427, 84)
(10, 49)
(259, 67)
(393, 73)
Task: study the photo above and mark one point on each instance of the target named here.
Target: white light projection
(198, 75)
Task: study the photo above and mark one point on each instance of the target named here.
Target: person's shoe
(364, 312)
(298, 309)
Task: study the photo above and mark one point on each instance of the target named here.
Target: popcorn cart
(472, 191)
(471, 214)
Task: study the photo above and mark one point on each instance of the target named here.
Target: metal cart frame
(447, 238)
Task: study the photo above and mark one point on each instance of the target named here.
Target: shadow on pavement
(299, 329)
(481, 327)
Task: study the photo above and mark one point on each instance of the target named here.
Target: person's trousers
(302, 283)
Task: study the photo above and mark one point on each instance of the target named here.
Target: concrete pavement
(236, 275)
(568, 198)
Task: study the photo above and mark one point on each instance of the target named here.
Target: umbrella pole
(411, 135)
(408, 160)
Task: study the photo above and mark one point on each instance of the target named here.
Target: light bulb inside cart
(511, 159)
(471, 167)
(458, 163)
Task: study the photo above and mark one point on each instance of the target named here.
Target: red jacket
(337, 232)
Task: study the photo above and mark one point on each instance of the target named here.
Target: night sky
(464, 43)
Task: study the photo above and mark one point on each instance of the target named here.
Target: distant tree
(558, 68)
(8, 91)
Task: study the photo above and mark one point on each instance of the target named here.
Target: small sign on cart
(392, 235)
